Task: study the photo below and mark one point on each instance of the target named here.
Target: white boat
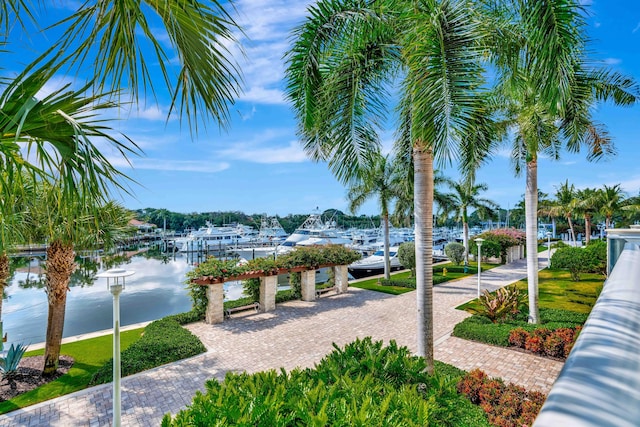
(374, 264)
(211, 238)
(271, 234)
(313, 231)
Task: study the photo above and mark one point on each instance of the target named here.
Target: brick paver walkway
(298, 334)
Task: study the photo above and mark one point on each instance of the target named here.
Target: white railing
(599, 384)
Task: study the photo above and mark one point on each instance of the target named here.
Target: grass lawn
(89, 356)
(557, 290)
(453, 272)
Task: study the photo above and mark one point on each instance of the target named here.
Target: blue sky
(258, 166)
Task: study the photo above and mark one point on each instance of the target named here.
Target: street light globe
(479, 241)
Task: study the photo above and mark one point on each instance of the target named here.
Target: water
(156, 290)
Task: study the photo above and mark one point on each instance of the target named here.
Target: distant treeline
(180, 221)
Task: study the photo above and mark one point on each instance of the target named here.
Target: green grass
(557, 290)
(89, 356)
(454, 272)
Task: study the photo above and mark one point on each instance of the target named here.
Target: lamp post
(548, 249)
(115, 284)
(479, 241)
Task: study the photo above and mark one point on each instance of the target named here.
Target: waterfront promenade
(298, 333)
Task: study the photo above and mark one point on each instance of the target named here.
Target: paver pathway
(298, 334)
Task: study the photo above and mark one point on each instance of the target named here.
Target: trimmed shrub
(597, 254)
(407, 256)
(534, 344)
(164, 341)
(517, 337)
(187, 317)
(576, 260)
(506, 405)
(402, 283)
(455, 252)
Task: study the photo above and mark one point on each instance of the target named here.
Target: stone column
(341, 278)
(215, 304)
(308, 285)
(268, 289)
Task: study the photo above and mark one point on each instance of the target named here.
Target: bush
(501, 303)
(498, 241)
(455, 252)
(402, 283)
(364, 383)
(407, 256)
(597, 254)
(164, 341)
(576, 260)
(252, 289)
(506, 405)
(517, 337)
(187, 317)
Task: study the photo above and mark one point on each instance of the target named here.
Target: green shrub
(576, 260)
(365, 383)
(164, 341)
(455, 252)
(187, 317)
(295, 281)
(252, 289)
(402, 283)
(597, 254)
(407, 256)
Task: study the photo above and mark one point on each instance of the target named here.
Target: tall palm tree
(588, 206)
(565, 205)
(465, 196)
(610, 201)
(345, 58)
(66, 224)
(546, 92)
(378, 181)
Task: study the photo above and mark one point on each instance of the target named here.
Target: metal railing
(599, 384)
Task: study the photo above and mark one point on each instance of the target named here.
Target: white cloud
(202, 166)
(151, 113)
(635, 30)
(261, 153)
(263, 95)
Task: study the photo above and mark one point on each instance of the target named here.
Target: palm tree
(610, 201)
(66, 224)
(345, 58)
(546, 91)
(565, 205)
(587, 206)
(465, 196)
(377, 180)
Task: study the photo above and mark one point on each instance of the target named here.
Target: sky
(258, 165)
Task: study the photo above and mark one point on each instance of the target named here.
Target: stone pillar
(215, 304)
(308, 285)
(341, 278)
(268, 289)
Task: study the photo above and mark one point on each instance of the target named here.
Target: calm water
(155, 290)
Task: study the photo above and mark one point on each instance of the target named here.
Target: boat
(374, 264)
(313, 231)
(271, 235)
(212, 238)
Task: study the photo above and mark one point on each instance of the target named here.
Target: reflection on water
(156, 290)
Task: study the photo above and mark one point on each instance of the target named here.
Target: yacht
(213, 237)
(374, 264)
(313, 231)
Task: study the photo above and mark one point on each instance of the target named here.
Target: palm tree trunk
(423, 208)
(587, 229)
(4, 278)
(531, 219)
(387, 261)
(465, 238)
(573, 233)
(60, 265)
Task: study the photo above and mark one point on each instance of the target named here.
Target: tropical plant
(67, 223)
(610, 200)
(565, 205)
(501, 303)
(465, 196)
(376, 180)
(9, 363)
(345, 58)
(587, 205)
(545, 93)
